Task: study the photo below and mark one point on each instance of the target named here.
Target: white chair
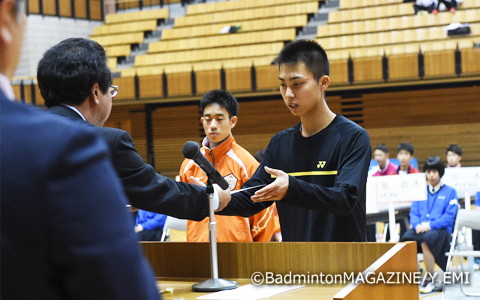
(468, 219)
(173, 223)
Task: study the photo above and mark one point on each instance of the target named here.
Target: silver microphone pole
(213, 284)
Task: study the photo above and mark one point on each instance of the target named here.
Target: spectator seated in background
(424, 6)
(404, 156)
(432, 223)
(149, 225)
(454, 156)
(450, 5)
(381, 155)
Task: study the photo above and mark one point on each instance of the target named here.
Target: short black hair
(381, 147)
(222, 98)
(405, 146)
(68, 70)
(454, 148)
(308, 52)
(435, 163)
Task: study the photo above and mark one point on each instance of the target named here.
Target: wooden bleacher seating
(129, 4)
(282, 9)
(135, 16)
(116, 28)
(118, 50)
(214, 54)
(365, 3)
(119, 39)
(293, 21)
(235, 5)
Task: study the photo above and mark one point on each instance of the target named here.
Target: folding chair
(173, 223)
(469, 219)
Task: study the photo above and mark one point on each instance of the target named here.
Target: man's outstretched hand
(274, 191)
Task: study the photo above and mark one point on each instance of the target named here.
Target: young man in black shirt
(316, 171)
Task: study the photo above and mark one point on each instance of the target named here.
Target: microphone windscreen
(190, 149)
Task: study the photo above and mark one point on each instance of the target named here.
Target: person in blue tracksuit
(149, 225)
(432, 222)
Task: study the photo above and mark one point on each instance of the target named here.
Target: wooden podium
(179, 265)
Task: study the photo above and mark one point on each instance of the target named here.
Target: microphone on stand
(191, 150)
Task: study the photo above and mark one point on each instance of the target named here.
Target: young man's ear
(324, 82)
(234, 121)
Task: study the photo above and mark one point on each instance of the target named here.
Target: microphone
(191, 150)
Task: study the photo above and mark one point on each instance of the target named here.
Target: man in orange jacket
(219, 115)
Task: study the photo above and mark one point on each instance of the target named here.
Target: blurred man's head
(12, 26)
(75, 72)
(380, 154)
(404, 155)
(434, 170)
(454, 155)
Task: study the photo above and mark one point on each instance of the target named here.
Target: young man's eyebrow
(221, 114)
(291, 78)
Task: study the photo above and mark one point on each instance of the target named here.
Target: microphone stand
(213, 284)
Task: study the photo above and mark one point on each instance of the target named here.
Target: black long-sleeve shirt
(326, 196)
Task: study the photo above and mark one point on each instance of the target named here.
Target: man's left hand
(274, 191)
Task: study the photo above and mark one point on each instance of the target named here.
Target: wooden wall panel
(423, 107)
(132, 119)
(403, 66)
(179, 84)
(238, 79)
(126, 87)
(267, 78)
(49, 7)
(470, 61)
(95, 9)
(34, 6)
(207, 81)
(65, 8)
(151, 86)
(439, 63)
(339, 72)
(81, 9)
(367, 69)
(173, 126)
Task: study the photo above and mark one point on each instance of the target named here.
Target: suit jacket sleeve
(93, 246)
(148, 190)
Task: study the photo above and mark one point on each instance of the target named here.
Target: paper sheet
(251, 292)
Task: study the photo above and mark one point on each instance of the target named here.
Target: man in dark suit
(75, 82)
(56, 183)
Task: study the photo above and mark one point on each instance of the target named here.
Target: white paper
(251, 292)
(464, 179)
(396, 188)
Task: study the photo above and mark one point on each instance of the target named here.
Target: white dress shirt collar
(434, 189)
(6, 87)
(75, 110)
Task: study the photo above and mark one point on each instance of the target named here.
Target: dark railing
(77, 9)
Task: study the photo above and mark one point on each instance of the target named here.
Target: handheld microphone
(191, 150)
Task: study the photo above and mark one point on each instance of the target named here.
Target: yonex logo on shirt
(321, 164)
